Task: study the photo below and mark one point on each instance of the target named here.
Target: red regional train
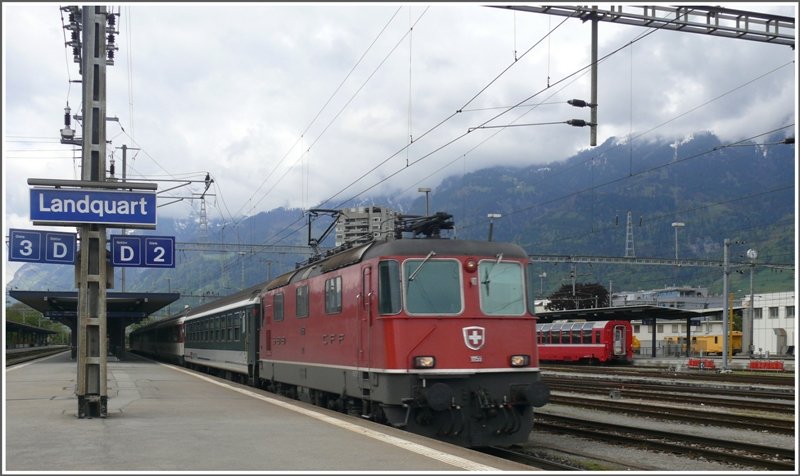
(588, 342)
(436, 336)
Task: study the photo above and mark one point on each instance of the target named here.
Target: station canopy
(628, 313)
(63, 305)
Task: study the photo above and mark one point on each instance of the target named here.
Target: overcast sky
(306, 105)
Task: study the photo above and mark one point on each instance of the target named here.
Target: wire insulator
(577, 123)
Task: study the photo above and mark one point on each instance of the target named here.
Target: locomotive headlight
(424, 362)
(520, 360)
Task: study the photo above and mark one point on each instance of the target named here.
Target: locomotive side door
(620, 338)
(364, 317)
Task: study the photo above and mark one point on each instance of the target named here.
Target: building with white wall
(774, 322)
(774, 319)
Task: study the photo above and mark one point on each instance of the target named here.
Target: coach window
(502, 288)
(565, 332)
(389, 287)
(301, 301)
(544, 333)
(333, 295)
(555, 333)
(277, 307)
(575, 333)
(432, 286)
(546, 329)
(586, 333)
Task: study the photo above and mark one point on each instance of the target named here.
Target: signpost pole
(92, 343)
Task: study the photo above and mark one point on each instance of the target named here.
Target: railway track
(699, 416)
(752, 377)
(725, 451)
(744, 402)
(18, 356)
(604, 385)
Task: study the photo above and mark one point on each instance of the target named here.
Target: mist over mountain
(579, 206)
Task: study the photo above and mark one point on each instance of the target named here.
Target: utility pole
(124, 179)
(573, 273)
(593, 117)
(676, 225)
(426, 191)
(726, 272)
(747, 327)
(92, 271)
(492, 216)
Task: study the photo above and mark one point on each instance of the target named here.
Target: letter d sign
(127, 253)
(126, 250)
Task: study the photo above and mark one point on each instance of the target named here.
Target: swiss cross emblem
(474, 337)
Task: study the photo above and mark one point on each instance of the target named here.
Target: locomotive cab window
(389, 287)
(502, 287)
(432, 286)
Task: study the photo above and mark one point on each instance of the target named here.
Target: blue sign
(69, 206)
(42, 246)
(159, 251)
(126, 250)
(143, 251)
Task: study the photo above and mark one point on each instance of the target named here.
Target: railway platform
(167, 418)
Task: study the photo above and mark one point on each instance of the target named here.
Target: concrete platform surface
(166, 418)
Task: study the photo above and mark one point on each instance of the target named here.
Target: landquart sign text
(67, 206)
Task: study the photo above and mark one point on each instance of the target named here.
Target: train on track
(433, 335)
(706, 344)
(606, 342)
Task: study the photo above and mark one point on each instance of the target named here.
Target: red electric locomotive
(589, 342)
(432, 335)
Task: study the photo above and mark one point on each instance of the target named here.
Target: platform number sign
(143, 251)
(159, 251)
(42, 246)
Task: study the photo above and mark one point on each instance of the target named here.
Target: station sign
(58, 206)
(143, 251)
(33, 246)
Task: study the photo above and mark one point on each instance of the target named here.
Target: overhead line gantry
(701, 19)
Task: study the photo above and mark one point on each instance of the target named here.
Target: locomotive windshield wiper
(490, 273)
(414, 274)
